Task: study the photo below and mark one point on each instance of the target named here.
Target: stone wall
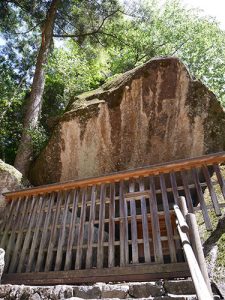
(180, 289)
(152, 114)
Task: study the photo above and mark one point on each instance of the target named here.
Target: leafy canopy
(102, 39)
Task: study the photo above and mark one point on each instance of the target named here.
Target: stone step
(160, 290)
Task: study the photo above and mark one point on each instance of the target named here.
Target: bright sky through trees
(214, 8)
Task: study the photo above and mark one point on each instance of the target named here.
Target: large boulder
(152, 114)
(10, 180)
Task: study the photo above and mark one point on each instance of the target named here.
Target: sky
(214, 8)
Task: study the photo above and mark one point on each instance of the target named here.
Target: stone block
(146, 289)
(115, 291)
(179, 287)
(87, 292)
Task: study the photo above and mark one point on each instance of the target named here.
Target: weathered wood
(10, 245)
(50, 202)
(91, 229)
(168, 220)
(187, 192)
(122, 225)
(150, 170)
(174, 187)
(100, 253)
(201, 200)
(133, 225)
(126, 245)
(46, 238)
(15, 208)
(132, 273)
(28, 233)
(180, 218)
(200, 286)
(155, 224)
(68, 262)
(53, 234)
(6, 219)
(62, 234)
(211, 191)
(183, 206)
(220, 178)
(111, 249)
(145, 229)
(81, 230)
(197, 248)
(21, 225)
(31, 262)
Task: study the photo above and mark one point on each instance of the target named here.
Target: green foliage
(39, 138)
(104, 42)
(172, 30)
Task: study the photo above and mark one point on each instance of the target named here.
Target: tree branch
(29, 29)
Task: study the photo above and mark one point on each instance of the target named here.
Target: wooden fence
(111, 228)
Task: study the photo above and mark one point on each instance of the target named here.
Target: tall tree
(25, 151)
(66, 19)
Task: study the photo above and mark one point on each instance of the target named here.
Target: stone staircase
(165, 290)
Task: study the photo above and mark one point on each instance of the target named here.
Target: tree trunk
(25, 152)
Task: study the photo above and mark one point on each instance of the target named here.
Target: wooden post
(183, 206)
(180, 218)
(197, 247)
(200, 285)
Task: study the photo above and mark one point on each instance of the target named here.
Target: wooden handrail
(198, 280)
(183, 164)
(180, 218)
(201, 282)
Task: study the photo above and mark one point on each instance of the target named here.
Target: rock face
(152, 114)
(10, 180)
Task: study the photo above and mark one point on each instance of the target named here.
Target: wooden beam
(184, 164)
(143, 272)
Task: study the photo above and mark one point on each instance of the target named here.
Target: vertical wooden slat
(17, 219)
(145, 229)
(133, 225)
(26, 215)
(155, 224)
(168, 220)
(211, 191)
(53, 234)
(61, 238)
(29, 231)
(39, 218)
(201, 200)
(72, 229)
(122, 225)
(91, 228)
(187, 192)
(42, 244)
(14, 209)
(220, 179)
(81, 230)
(111, 249)
(174, 186)
(126, 233)
(6, 218)
(100, 253)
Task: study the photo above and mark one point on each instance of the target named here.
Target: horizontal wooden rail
(183, 164)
